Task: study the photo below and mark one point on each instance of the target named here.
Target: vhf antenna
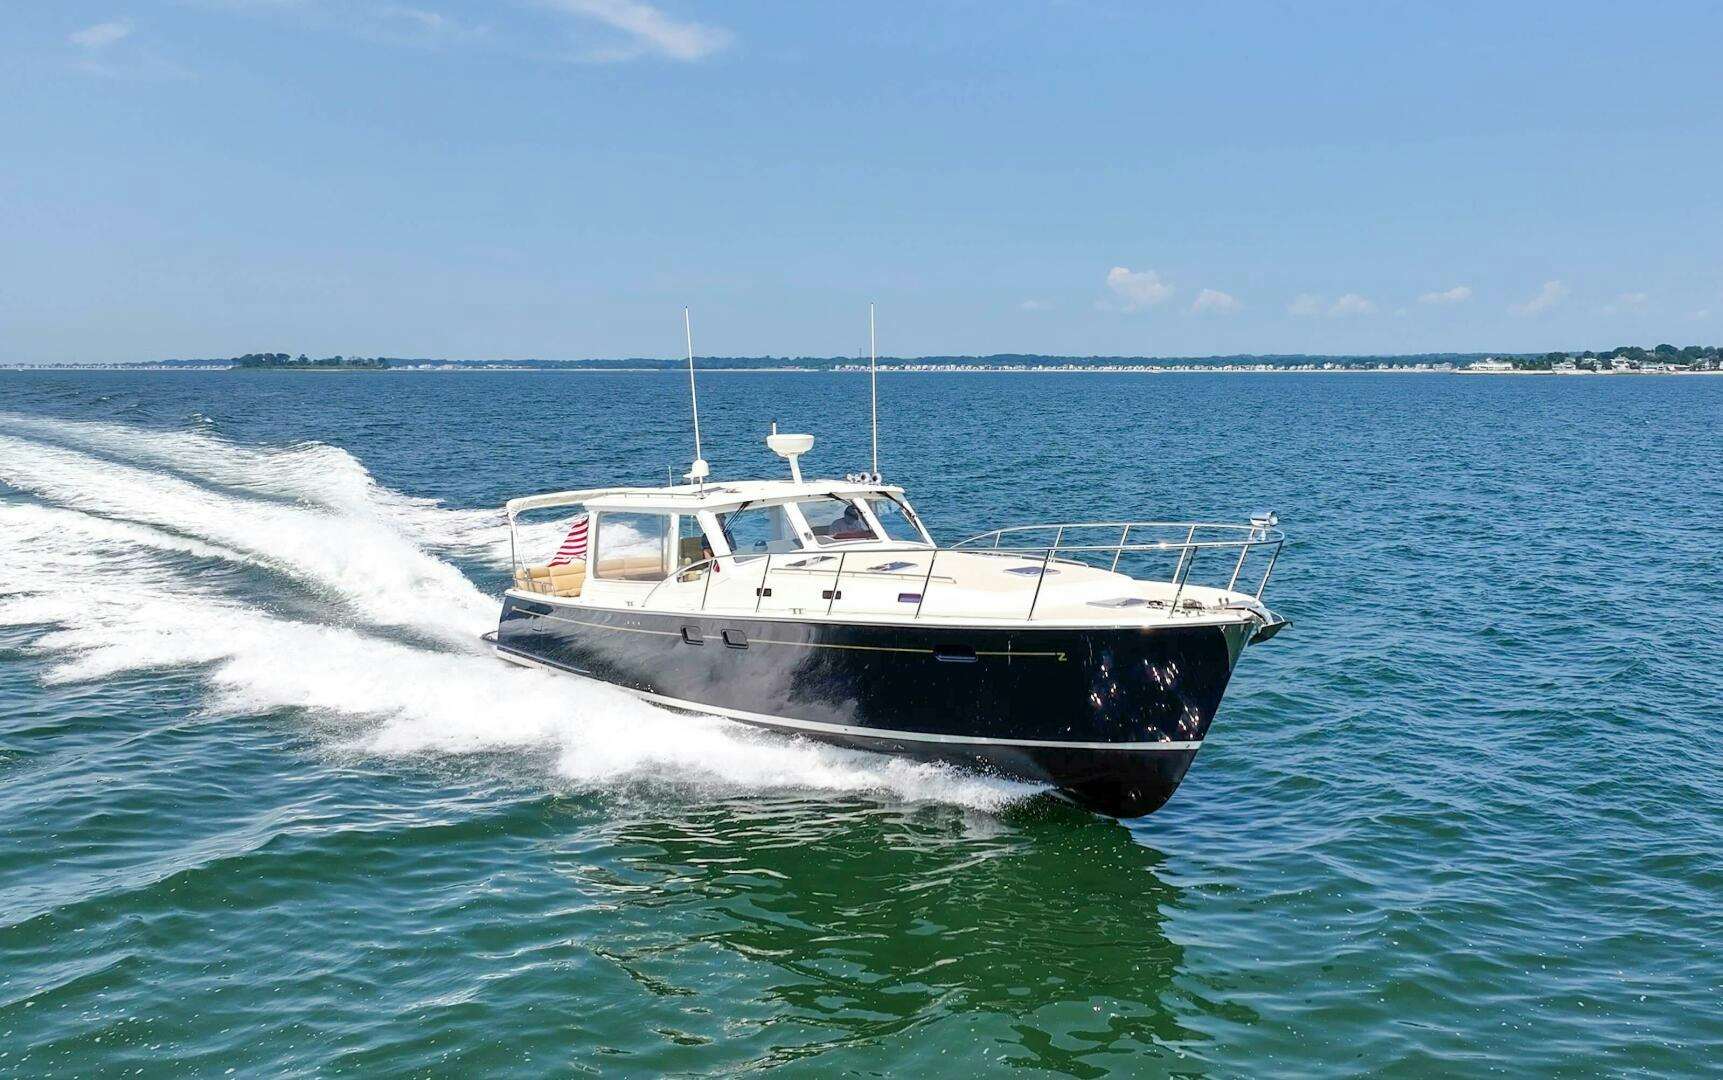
(699, 470)
(873, 385)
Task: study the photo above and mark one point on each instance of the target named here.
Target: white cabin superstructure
(847, 550)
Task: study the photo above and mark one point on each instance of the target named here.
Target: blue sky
(556, 178)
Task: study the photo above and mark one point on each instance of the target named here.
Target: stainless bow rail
(1196, 540)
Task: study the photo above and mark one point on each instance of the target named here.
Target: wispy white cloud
(256, 5)
(1627, 301)
(1134, 290)
(114, 50)
(402, 24)
(1035, 305)
(1215, 302)
(1351, 304)
(1311, 304)
(98, 37)
(610, 30)
(647, 31)
(1459, 294)
(1552, 293)
(431, 22)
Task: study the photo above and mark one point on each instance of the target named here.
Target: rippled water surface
(269, 807)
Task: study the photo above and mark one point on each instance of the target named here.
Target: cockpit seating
(563, 580)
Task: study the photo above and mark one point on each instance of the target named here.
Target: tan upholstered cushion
(564, 580)
(576, 567)
(632, 567)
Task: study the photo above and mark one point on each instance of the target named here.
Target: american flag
(574, 544)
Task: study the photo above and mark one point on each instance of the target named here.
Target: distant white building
(1489, 363)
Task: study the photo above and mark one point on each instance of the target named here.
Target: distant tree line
(274, 361)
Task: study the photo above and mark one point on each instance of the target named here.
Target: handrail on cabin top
(1253, 537)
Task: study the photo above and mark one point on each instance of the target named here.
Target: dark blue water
(268, 807)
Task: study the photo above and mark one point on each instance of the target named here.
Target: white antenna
(699, 470)
(873, 385)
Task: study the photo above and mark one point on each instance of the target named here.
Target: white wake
(125, 566)
(312, 473)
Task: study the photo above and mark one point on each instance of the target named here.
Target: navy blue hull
(1133, 701)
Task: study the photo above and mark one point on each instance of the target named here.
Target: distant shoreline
(954, 369)
(1662, 359)
(1464, 371)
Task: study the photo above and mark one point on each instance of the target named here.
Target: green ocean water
(268, 807)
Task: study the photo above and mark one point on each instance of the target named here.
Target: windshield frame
(718, 532)
(804, 536)
(826, 540)
(866, 500)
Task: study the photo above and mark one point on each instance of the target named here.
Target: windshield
(893, 519)
(834, 520)
(758, 530)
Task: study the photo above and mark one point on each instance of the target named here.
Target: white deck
(965, 588)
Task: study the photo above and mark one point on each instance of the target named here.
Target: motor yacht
(1091, 656)
(825, 609)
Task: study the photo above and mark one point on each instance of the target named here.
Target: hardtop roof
(684, 498)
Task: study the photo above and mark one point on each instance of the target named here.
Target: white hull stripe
(788, 723)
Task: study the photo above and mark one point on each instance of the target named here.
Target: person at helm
(851, 526)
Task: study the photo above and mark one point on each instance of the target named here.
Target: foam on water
(312, 473)
(358, 559)
(109, 569)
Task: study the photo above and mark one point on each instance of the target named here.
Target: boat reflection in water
(818, 931)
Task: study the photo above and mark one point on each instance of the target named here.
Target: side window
(690, 541)
(758, 530)
(632, 547)
(893, 520)
(834, 520)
